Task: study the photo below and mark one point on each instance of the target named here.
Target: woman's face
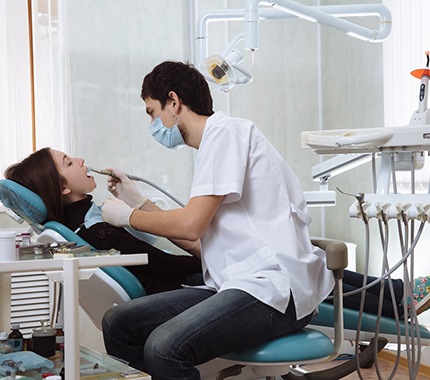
(79, 183)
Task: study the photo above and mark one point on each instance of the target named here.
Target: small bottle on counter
(5, 347)
(15, 338)
(25, 239)
(59, 339)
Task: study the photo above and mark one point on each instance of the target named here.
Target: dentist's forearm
(171, 224)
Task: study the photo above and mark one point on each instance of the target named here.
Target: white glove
(116, 212)
(125, 189)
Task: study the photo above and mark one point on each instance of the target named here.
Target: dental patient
(64, 184)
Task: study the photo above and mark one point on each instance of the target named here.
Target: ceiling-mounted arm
(328, 15)
(257, 10)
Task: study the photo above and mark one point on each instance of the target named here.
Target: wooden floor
(385, 368)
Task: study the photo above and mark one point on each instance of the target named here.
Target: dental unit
(397, 149)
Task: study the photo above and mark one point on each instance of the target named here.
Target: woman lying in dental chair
(353, 281)
(64, 185)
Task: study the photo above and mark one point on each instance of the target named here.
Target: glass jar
(43, 340)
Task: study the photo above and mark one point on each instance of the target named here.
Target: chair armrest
(337, 261)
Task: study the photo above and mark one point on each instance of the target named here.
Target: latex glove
(116, 212)
(125, 189)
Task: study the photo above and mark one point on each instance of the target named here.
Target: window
(32, 69)
(15, 94)
(32, 97)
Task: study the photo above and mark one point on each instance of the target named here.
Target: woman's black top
(164, 271)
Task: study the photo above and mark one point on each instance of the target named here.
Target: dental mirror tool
(134, 178)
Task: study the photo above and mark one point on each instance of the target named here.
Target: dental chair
(107, 287)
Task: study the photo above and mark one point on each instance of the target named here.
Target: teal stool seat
(303, 345)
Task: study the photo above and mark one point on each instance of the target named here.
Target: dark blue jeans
(168, 334)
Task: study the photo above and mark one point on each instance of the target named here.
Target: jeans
(168, 334)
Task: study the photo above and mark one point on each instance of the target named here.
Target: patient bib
(94, 216)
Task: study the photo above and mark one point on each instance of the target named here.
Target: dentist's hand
(116, 212)
(125, 189)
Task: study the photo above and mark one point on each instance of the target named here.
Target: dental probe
(134, 178)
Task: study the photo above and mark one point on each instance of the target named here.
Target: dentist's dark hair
(182, 78)
(39, 173)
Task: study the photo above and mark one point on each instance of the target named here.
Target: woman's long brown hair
(39, 173)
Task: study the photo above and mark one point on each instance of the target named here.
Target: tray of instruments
(365, 140)
(40, 251)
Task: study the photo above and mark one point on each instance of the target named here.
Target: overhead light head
(217, 70)
(222, 70)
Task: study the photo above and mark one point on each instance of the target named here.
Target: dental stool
(279, 356)
(107, 287)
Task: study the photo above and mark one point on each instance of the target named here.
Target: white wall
(112, 45)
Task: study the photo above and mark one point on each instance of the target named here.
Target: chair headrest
(24, 202)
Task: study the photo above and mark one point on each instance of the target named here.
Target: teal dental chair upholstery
(107, 287)
(369, 323)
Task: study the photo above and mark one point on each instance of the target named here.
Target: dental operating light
(221, 69)
(224, 70)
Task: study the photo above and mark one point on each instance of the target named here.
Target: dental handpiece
(101, 171)
(134, 178)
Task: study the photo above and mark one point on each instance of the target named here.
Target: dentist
(246, 219)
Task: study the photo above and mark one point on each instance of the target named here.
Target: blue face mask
(169, 137)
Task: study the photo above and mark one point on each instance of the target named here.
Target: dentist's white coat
(259, 240)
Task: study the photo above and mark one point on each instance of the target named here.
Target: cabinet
(69, 271)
